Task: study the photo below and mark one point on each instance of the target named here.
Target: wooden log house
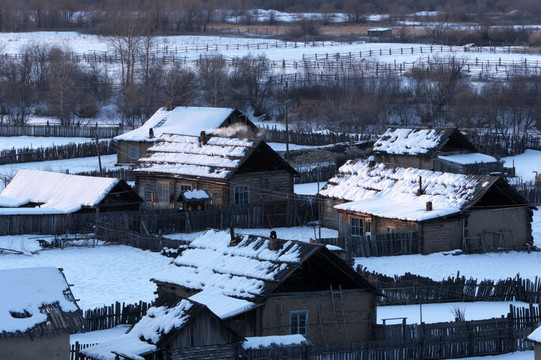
(440, 149)
(181, 120)
(449, 211)
(37, 314)
(264, 287)
(43, 202)
(185, 330)
(230, 171)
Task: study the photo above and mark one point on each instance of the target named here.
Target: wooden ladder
(339, 314)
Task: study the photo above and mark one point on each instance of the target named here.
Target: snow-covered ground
(525, 164)
(189, 48)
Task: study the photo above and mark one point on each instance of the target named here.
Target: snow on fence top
(52, 193)
(215, 157)
(402, 193)
(25, 292)
(277, 340)
(179, 120)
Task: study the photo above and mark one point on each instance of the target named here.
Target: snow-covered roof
(535, 335)
(25, 292)
(145, 334)
(179, 120)
(196, 195)
(57, 193)
(390, 191)
(210, 264)
(218, 157)
(401, 141)
(467, 159)
(259, 342)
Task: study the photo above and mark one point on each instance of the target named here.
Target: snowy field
(190, 48)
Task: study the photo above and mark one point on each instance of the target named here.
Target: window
(298, 322)
(241, 194)
(356, 226)
(185, 187)
(133, 153)
(163, 192)
(367, 226)
(390, 230)
(148, 195)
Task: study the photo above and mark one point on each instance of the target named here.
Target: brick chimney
(429, 206)
(151, 133)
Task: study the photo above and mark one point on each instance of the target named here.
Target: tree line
(46, 80)
(177, 16)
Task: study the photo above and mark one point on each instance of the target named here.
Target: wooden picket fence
(425, 341)
(415, 289)
(108, 317)
(102, 132)
(388, 244)
(59, 152)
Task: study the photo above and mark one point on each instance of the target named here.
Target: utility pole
(287, 125)
(98, 151)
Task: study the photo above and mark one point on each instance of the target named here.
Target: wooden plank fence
(102, 132)
(415, 289)
(58, 152)
(426, 341)
(108, 317)
(376, 245)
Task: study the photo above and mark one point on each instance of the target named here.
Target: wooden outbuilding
(264, 287)
(185, 330)
(440, 149)
(448, 211)
(535, 337)
(228, 170)
(182, 120)
(44, 202)
(37, 314)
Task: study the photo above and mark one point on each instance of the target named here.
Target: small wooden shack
(265, 286)
(378, 34)
(182, 120)
(44, 202)
(185, 330)
(228, 170)
(535, 337)
(440, 149)
(37, 314)
(448, 211)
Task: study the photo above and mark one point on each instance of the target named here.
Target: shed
(182, 120)
(265, 286)
(447, 210)
(380, 33)
(535, 337)
(229, 170)
(441, 149)
(37, 314)
(43, 201)
(186, 330)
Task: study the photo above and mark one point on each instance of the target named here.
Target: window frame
(133, 150)
(241, 194)
(148, 191)
(295, 317)
(161, 195)
(356, 226)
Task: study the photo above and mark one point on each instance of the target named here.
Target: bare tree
(251, 82)
(212, 71)
(180, 86)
